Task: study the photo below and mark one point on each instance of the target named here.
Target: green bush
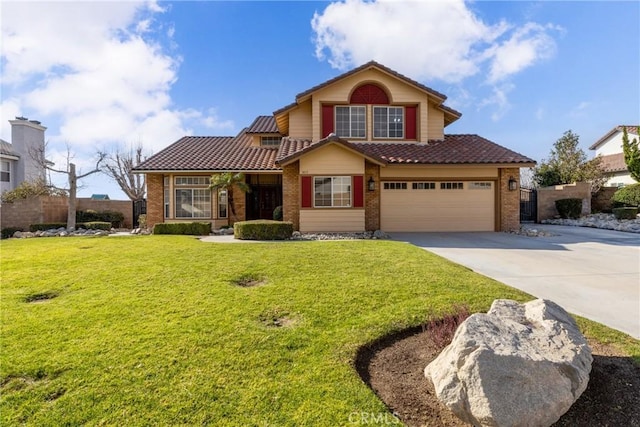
(187, 228)
(277, 213)
(626, 213)
(569, 208)
(94, 225)
(29, 189)
(9, 231)
(115, 218)
(47, 226)
(262, 229)
(628, 196)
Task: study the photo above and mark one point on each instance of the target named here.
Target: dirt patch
(277, 318)
(393, 367)
(249, 281)
(41, 296)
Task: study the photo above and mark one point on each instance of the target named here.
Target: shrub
(262, 229)
(277, 213)
(28, 189)
(95, 225)
(142, 221)
(186, 228)
(569, 208)
(629, 195)
(626, 213)
(115, 218)
(9, 231)
(47, 226)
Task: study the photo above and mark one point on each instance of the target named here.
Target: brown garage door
(438, 206)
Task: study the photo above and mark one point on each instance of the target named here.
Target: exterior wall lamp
(513, 184)
(371, 184)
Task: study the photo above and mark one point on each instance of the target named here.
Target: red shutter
(306, 192)
(358, 191)
(410, 125)
(327, 120)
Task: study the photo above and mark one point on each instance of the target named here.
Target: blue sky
(100, 75)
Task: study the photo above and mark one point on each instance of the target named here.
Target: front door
(262, 200)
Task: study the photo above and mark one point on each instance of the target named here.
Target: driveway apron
(590, 272)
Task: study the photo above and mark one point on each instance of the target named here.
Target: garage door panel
(438, 209)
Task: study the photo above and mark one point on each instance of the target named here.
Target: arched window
(369, 94)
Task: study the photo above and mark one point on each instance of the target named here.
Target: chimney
(27, 139)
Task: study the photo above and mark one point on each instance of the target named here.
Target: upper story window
(388, 122)
(270, 141)
(192, 180)
(351, 121)
(5, 171)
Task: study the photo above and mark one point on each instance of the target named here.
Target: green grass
(154, 330)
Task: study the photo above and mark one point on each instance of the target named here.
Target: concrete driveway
(590, 272)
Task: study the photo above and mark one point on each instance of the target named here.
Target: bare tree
(119, 166)
(72, 179)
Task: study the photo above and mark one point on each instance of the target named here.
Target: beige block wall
(291, 194)
(547, 197)
(398, 91)
(509, 206)
(332, 160)
(332, 220)
(372, 198)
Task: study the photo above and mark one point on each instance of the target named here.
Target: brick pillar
(291, 194)
(155, 199)
(372, 198)
(239, 204)
(509, 200)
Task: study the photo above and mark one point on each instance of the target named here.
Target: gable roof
(630, 129)
(451, 115)
(263, 124)
(453, 150)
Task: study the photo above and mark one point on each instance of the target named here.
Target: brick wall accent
(601, 201)
(509, 200)
(155, 199)
(239, 204)
(547, 197)
(371, 198)
(47, 209)
(291, 194)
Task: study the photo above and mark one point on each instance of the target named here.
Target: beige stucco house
(365, 150)
(609, 149)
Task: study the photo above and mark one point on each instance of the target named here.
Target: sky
(103, 76)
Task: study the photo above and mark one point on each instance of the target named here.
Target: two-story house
(609, 148)
(365, 150)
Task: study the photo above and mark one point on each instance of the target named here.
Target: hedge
(115, 218)
(10, 231)
(262, 229)
(625, 213)
(628, 195)
(47, 226)
(186, 228)
(569, 208)
(94, 225)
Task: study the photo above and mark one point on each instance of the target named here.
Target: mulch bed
(393, 367)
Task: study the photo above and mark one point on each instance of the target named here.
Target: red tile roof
(263, 124)
(630, 129)
(613, 163)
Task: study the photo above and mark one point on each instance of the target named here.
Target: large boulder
(516, 365)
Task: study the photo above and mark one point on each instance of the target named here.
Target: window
(193, 203)
(166, 202)
(351, 121)
(451, 186)
(332, 191)
(388, 122)
(479, 186)
(192, 180)
(395, 185)
(222, 204)
(270, 141)
(424, 185)
(5, 171)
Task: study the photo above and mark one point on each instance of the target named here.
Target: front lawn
(168, 330)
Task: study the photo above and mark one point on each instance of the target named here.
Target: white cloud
(427, 40)
(98, 71)
(498, 100)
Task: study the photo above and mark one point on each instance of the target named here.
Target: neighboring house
(363, 151)
(18, 159)
(100, 197)
(609, 147)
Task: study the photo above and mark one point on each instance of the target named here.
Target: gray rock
(379, 234)
(518, 364)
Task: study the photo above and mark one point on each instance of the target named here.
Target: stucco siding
(331, 160)
(300, 125)
(332, 220)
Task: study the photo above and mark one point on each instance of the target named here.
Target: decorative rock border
(600, 220)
